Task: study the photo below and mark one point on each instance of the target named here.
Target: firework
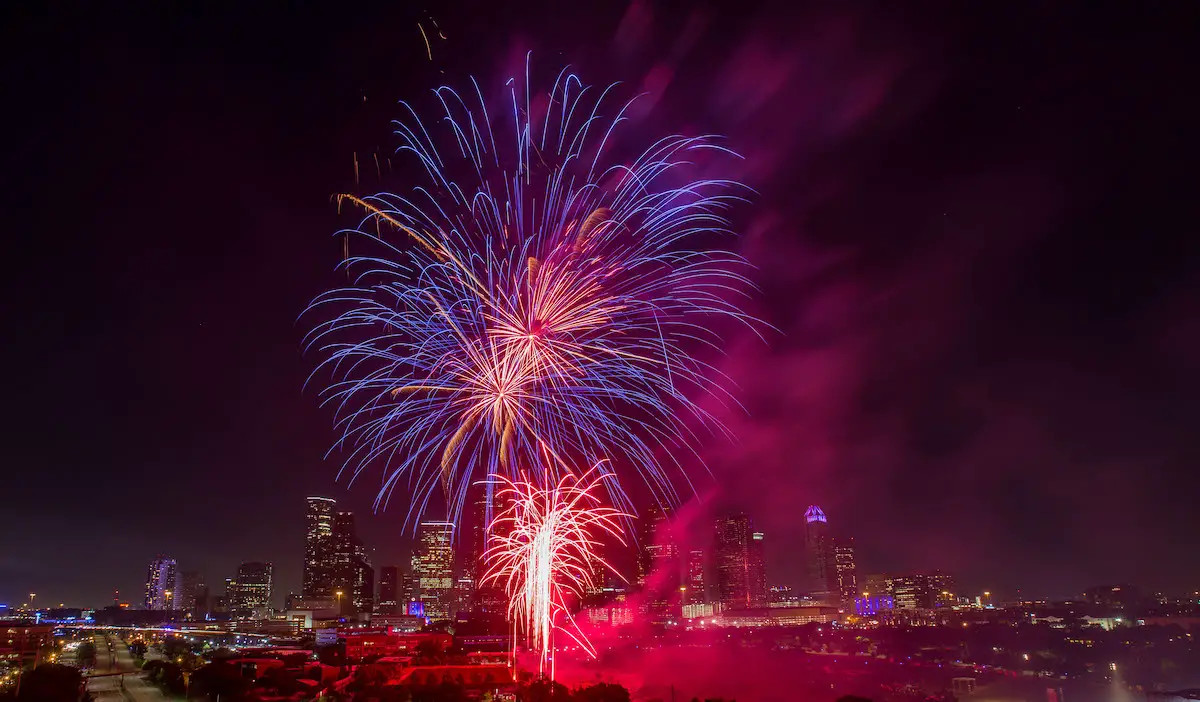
(542, 551)
(529, 294)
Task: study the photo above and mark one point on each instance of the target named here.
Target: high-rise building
(483, 597)
(942, 585)
(845, 571)
(741, 573)
(318, 549)
(162, 585)
(818, 553)
(659, 565)
(912, 592)
(659, 551)
(598, 575)
(353, 575)
(251, 589)
(473, 565)
(694, 578)
(876, 585)
(756, 572)
(432, 568)
(389, 590)
(193, 594)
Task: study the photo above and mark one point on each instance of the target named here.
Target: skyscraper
(472, 561)
(694, 578)
(756, 570)
(659, 551)
(488, 598)
(597, 573)
(251, 589)
(432, 566)
(353, 575)
(818, 553)
(846, 571)
(318, 549)
(741, 573)
(659, 566)
(162, 584)
(193, 593)
(389, 590)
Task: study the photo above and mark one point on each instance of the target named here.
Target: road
(112, 656)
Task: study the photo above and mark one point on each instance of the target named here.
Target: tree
(220, 679)
(543, 689)
(334, 654)
(51, 682)
(152, 667)
(429, 653)
(85, 655)
(602, 692)
(282, 681)
(176, 647)
(166, 674)
(445, 692)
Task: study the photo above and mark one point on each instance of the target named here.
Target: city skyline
(985, 343)
(825, 554)
(441, 570)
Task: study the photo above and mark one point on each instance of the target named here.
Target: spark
(428, 49)
(542, 550)
(531, 292)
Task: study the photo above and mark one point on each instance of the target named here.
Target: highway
(112, 656)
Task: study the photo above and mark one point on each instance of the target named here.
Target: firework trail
(542, 550)
(529, 295)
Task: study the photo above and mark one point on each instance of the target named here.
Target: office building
(484, 597)
(251, 589)
(193, 594)
(353, 575)
(318, 549)
(942, 586)
(741, 573)
(912, 592)
(659, 551)
(162, 585)
(473, 565)
(873, 606)
(432, 566)
(876, 585)
(694, 578)
(659, 566)
(845, 571)
(818, 554)
(389, 590)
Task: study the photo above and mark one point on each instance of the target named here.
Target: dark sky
(976, 233)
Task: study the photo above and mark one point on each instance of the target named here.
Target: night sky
(975, 229)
